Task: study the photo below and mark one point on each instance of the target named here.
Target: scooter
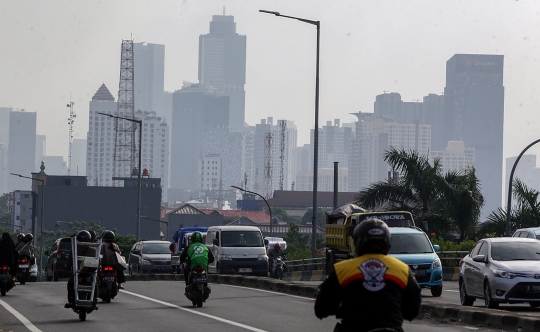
(85, 278)
(23, 273)
(108, 283)
(6, 279)
(278, 268)
(198, 291)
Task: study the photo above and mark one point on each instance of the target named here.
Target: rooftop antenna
(223, 10)
(71, 120)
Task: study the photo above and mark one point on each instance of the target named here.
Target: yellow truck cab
(340, 225)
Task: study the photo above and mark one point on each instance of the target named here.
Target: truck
(341, 222)
(182, 239)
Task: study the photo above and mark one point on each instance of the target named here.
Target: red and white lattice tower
(268, 165)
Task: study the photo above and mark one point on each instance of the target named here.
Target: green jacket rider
(197, 254)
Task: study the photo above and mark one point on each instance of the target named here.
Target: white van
(237, 250)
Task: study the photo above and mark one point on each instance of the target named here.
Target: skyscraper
(149, 77)
(222, 64)
(474, 113)
(21, 148)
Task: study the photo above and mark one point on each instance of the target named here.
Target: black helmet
(84, 236)
(108, 236)
(196, 237)
(92, 235)
(28, 237)
(20, 237)
(372, 236)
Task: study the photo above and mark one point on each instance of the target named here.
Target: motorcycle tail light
(4, 268)
(107, 268)
(23, 260)
(199, 269)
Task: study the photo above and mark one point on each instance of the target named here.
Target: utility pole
(71, 120)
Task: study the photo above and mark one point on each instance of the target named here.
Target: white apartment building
(375, 133)
(325, 180)
(455, 156)
(210, 172)
(100, 142)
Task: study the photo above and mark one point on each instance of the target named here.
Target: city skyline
(280, 56)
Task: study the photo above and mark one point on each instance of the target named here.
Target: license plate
(533, 289)
(23, 266)
(5, 276)
(163, 267)
(419, 273)
(199, 280)
(245, 270)
(108, 279)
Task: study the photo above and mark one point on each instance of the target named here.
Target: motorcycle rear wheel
(3, 288)
(199, 304)
(82, 315)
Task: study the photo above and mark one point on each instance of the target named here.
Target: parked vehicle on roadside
(531, 233)
(150, 257)
(501, 270)
(57, 257)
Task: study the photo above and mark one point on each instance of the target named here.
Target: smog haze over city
(54, 51)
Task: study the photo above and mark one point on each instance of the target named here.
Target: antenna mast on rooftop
(282, 128)
(268, 165)
(71, 120)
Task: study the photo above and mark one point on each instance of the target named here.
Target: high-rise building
(149, 77)
(100, 139)
(196, 109)
(333, 145)
(21, 149)
(474, 113)
(78, 157)
(455, 157)
(374, 135)
(210, 167)
(56, 165)
(3, 168)
(433, 115)
(222, 64)
(325, 180)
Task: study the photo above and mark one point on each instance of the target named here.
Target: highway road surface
(161, 306)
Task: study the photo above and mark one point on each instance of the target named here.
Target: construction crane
(71, 120)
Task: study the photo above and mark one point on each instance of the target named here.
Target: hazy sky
(51, 50)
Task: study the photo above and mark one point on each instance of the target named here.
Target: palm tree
(450, 202)
(525, 213)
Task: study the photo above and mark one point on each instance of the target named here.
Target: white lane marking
(470, 328)
(266, 291)
(451, 290)
(247, 327)
(20, 317)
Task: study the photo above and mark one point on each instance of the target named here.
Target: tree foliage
(297, 243)
(321, 217)
(280, 213)
(449, 201)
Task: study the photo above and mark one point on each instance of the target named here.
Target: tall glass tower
(222, 64)
(474, 113)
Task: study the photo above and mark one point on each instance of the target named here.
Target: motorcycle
(198, 291)
(278, 268)
(85, 279)
(23, 273)
(6, 280)
(108, 283)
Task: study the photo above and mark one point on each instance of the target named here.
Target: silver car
(501, 270)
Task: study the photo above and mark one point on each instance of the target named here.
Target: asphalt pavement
(161, 306)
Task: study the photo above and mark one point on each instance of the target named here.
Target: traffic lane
(269, 311)
(43, 305)
(451, 295)
(8, 322)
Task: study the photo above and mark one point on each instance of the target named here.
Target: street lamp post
(267, 205)
(316, 133)
(138, 171)
(41, 219)
(509, 204)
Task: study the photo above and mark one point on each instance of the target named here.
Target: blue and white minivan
(413, 247)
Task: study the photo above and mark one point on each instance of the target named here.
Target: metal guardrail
(449, 259)
(307, 264)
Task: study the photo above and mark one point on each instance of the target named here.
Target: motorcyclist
(20, 237)
(273, 252)
(196, 254)
(108, 250)
(25, 247)
(8, 254)
(372, 290)
(82, 250)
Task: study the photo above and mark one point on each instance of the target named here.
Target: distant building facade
(222, 64)
(325, 180)
(149, 77)
(21, 148)
(455, 156)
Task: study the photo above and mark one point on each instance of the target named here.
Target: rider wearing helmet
(20, 237)
(25, 247)
(273, 252)
(82, 250)
(196, 254)
(372, 290)
(109, 250)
